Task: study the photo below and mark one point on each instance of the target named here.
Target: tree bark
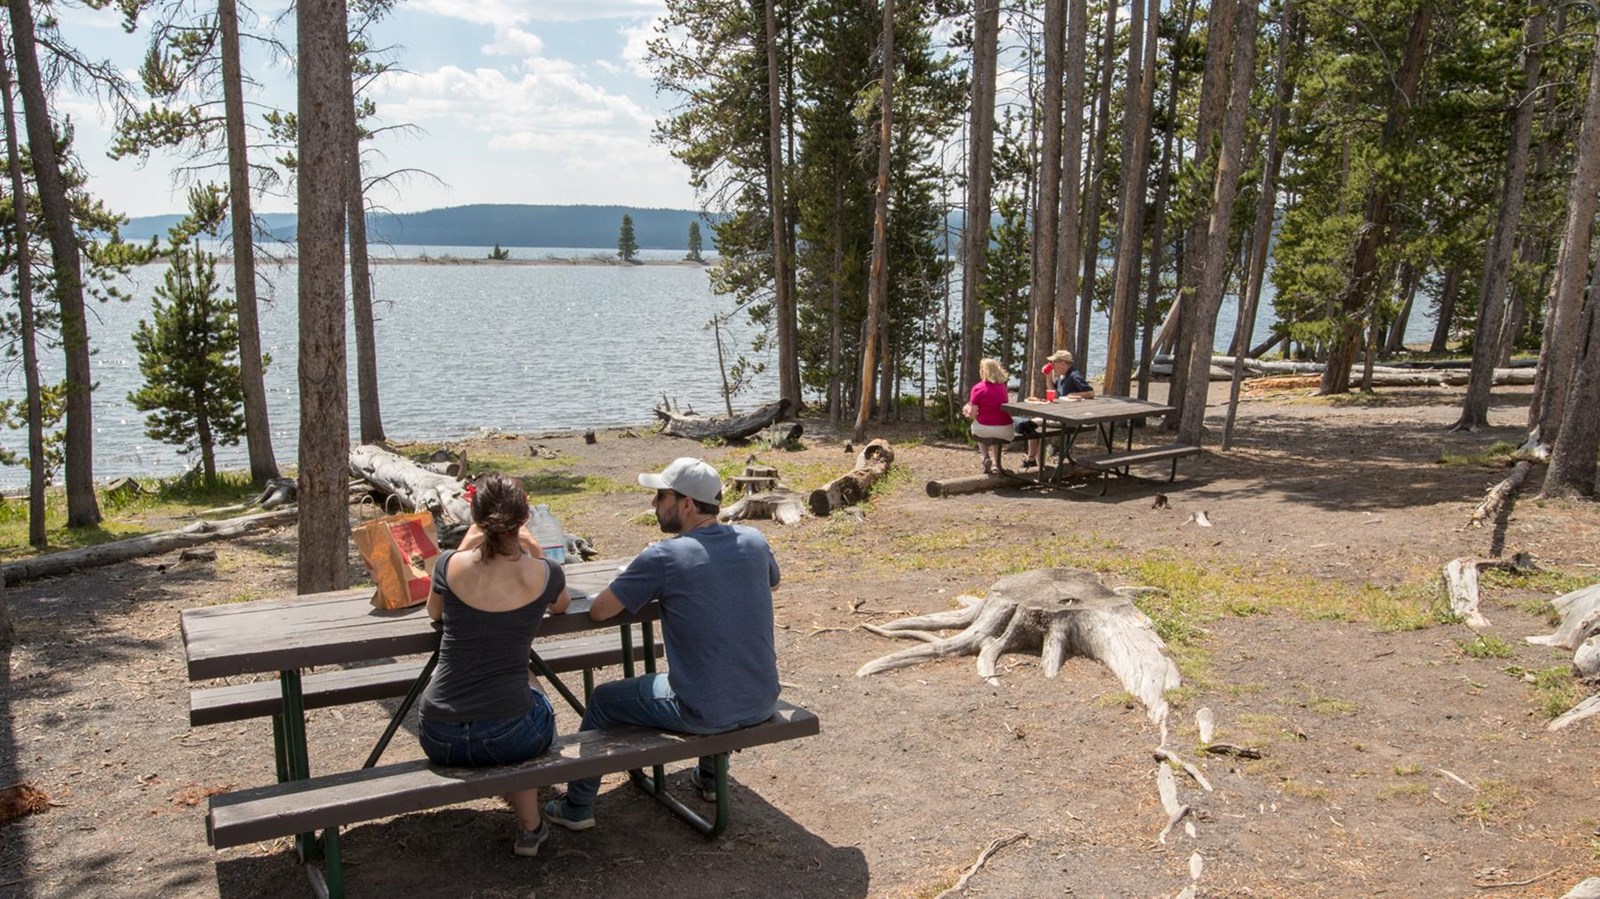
(876, 331)
(1410, 275)
(1130, 217)
(370, 414)
(1096, 177)
(252, 374)
(1069, 251)
(1356, 298)
(1046, 239)
(1266, 202)
(788, 329)
(1447, 310)
(83, 509)
(980, 157)
(1158, 229)
(1572, 460)
(23, 251)
(323, 51)
(1562, 331)
(848, 489)
(1208, 299)
(56, 564)
(1497, 265)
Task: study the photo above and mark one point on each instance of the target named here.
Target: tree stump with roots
(1059, 611)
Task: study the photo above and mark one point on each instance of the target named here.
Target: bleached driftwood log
(679, 423)
(1461, 577)
(414, 486)
(779, 504)
(1500, 494)
(1587, 709)
(1060, 611)
(146, 545)
(872, 463)
(1579, 630)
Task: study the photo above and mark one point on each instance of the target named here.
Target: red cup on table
(1049, 396)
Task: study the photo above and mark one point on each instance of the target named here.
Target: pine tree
(189, 356)
(695, 245)
(627, 246)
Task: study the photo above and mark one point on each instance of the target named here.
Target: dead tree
(679, 423)
(871, 464)
(414, 486)
(1579, 630)
(1061, 611)
(779, 504)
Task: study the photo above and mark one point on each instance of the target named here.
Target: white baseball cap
(689, 476)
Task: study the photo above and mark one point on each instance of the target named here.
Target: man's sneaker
(707, 788)
(528, 841)
(562, 814)
(1028, 463)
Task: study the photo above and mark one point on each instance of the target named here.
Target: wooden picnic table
(1066, 418)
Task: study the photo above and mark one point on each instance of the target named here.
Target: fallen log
(779, 504)
(1579, 630)
(414, 486)
(1059, 611)
(782, 435)
(1587, 709)
(149, 544)
(686, 424)
(871, 464)
(1461, 577)
(1500, 494)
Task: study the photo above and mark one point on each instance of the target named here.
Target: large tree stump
(872, 463)
(779, 504)
(679, 423)
(415, 487)
(1059, 611)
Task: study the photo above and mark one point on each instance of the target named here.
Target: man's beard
(671, 522)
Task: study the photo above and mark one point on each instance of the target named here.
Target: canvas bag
(400, 551)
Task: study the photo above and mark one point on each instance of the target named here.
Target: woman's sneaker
(1028, 463)
(528, 841)
(706, 787)
(559, 812)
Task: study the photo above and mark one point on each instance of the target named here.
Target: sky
(510, 101)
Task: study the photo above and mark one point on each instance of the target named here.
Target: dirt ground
(1395, 762)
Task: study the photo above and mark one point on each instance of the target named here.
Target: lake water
(467, 348)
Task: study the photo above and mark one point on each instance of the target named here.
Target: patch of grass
(1406, 769)
(1120, 698)
(1304, 790)
(1556, 691)
(1541, 580)
(1495, 802)
(124, 515)
(1542, 608)
(1485, 646)
(1182, 697)
(1496, 454)
(1325, 705)
(1412, 790)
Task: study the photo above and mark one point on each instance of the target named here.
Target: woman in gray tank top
(490, 594)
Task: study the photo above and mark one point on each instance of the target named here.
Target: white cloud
(513, 41)
(515, 12)
(636, 41)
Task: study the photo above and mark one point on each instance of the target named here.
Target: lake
(464, 349)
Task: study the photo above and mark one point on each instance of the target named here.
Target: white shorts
(994, 432)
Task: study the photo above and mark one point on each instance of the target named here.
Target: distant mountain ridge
(487, 224)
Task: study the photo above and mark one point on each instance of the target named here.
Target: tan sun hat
(1061, 357)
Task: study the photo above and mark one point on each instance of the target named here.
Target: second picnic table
(1066, 418)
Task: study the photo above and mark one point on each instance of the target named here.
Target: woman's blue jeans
(481, 744)
(646, 701)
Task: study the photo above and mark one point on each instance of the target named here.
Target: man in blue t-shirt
(714, 585)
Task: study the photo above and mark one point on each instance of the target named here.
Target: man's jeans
(646, 701)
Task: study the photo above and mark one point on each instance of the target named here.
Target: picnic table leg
(708, 829)
(296, 764)
(549, 674)
(400, 713)
(329, 883)
(648, 633)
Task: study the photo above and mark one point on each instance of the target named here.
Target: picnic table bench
(1065, 419)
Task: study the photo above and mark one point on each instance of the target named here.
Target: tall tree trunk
(1572, 461)
(1447, 309)
(1356, 298)
(835, 301)
(355, 218)
(878, 286)
(23, 252)
(252, 374)
(1410, 275)
(1559, 354)
(323, 51)
(788, 328)
(980, 157)
(1497, 265)
(1266, 203)
(1208, 299)
(1069, 240)
(1158, 229)
(83, 509)
(1046, 240)
(1096, 179)
(1130, 229)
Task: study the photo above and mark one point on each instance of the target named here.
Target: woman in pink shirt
(991, 426)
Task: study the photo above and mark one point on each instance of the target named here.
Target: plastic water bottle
(552, 538)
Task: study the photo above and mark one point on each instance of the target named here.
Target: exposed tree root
(983, 856)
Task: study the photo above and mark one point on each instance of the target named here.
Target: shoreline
(448, 259)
